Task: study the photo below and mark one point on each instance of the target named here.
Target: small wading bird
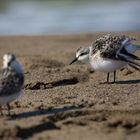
(109, 53)
(11, 81)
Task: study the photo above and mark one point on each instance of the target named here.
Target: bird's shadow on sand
(123, 82)
(128, 82)
(40, 112)
(42, 85)
(44, 125)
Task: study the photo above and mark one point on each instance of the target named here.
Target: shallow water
(46, 17)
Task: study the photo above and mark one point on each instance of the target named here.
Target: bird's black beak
(73, 61)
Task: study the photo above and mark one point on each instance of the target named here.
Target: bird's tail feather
(132, 48)
(137, 47)
(130, 59)
(135, 67)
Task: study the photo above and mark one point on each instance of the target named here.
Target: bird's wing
(128, 59)
(116, 47)
(109, 45)
(135, 67)
(124, 55)
(9, 83)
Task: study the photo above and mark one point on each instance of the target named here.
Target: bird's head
(9, 61)
(82, 54)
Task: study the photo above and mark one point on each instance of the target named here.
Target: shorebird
(110, 53)
(11, 81)
(82, 53)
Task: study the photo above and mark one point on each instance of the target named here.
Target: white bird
(11, 81)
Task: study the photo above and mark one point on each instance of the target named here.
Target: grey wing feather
(127, 58)
(124, 55)
(135, 67)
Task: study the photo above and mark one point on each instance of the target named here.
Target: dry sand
(62, 102)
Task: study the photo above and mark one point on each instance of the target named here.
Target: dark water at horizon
(28, 17)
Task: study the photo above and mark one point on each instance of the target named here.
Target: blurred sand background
(63, 102)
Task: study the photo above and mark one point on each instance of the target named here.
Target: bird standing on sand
(11, 81)
(107, 45)
(110, 53)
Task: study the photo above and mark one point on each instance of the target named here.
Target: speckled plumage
(10, 82)
(109, 45)
(83, 50)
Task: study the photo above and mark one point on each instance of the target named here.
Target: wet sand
(67, 102)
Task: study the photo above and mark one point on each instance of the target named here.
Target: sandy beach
(67, 102)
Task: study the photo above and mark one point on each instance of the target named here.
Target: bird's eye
(82, 54)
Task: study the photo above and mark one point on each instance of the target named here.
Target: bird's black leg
(114, 77)
(108, 77)
(9, 108)
(1, 112)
